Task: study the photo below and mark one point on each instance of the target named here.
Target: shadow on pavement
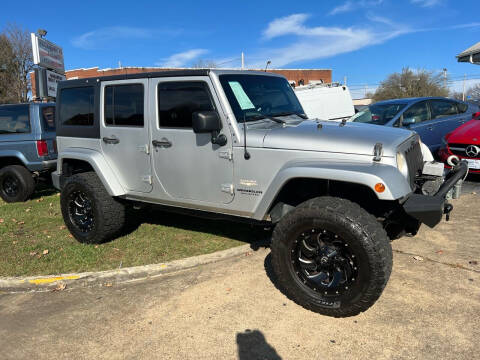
(255, 235)
(252, 345)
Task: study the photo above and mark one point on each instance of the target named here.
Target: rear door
(446, 116)
(124, 132)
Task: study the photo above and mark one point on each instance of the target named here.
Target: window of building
(124, 105)
(77, 106)
(177, 101)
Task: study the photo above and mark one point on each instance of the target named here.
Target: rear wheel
(331, 257)
(16, 183)
(89, 212)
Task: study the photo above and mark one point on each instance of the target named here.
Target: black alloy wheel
(10, 185)
(324, 262)
(80, 211)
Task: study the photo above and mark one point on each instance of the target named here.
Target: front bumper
(430, 209)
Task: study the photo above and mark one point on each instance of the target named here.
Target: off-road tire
(362, 233)
(25, 184)
(108, 213)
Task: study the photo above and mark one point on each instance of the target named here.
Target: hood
(468, 133)
(354, 138)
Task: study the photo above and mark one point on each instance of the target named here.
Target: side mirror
(408, 121)
(208, 122)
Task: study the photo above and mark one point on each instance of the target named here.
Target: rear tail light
(476, 116)
(42, 148)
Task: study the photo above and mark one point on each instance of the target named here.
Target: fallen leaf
(418, 258)
(229, 289)
(96, 246)
(473, 262)
(45, 252)
(14, 220)
(439, 252)
(14, 242)
(20, 222)
(108, 284)
(116, 249)
(28, 209)
(60, 287)
(48, 236)
(63, 227)
(1, 221)
(70, 235)
(33, 253)
(474, 193)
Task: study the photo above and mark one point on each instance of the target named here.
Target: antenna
(246, 154)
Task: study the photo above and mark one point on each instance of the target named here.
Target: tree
(204, 64)
(410, 83)
(7, 71)
(16, 54)
(474, 92)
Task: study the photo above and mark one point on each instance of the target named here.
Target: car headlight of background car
(402, 164)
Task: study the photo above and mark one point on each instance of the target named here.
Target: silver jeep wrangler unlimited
(238, 144)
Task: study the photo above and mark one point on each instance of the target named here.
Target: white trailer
(326, 101)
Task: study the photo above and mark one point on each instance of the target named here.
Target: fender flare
(14, 154)
(396, 185)
(99, 165)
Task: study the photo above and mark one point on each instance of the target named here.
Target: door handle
(430, 128)
(163, 143)
(112, 140)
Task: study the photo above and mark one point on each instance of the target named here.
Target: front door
(124, 132)
(418, 119)
(187, 165)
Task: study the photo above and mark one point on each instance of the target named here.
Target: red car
(463, 144)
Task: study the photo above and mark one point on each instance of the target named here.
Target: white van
(326, 101)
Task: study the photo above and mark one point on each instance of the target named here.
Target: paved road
(429, 310)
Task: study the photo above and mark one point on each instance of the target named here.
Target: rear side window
(442, 108)
(177, 101)
(124, 105)
(47, 114)
(77, 106)
(14, 119)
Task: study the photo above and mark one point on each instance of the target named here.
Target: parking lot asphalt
(429, 310)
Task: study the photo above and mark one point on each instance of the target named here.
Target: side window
(416, 113)
(47, 114)
(14, 119)
(462, 107)
(178, 100)
(77, 106)
(442, 108)
(124, 105)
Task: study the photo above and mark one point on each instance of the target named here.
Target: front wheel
(332, 257)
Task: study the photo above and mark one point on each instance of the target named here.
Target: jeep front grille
(414, 158)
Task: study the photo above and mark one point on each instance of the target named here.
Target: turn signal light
(42, 148)
(379, 187)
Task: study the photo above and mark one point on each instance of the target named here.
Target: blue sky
(364, 40)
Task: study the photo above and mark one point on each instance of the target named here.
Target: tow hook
(447, 209)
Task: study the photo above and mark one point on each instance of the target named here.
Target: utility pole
(464, 81)
(445, 78)
(243, 61)
(345, 80)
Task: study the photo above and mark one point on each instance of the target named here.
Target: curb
(110, 277)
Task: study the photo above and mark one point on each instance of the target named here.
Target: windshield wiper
(288, 113)
(263, 116)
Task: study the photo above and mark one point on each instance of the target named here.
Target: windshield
(47, 114)
(378, 114)
(255, 97)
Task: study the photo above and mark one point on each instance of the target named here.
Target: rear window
(14, 119)
(77, 106)
(47, 114)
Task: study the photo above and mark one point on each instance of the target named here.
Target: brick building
(293, 75)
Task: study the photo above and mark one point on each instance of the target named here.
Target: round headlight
(402, 164)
